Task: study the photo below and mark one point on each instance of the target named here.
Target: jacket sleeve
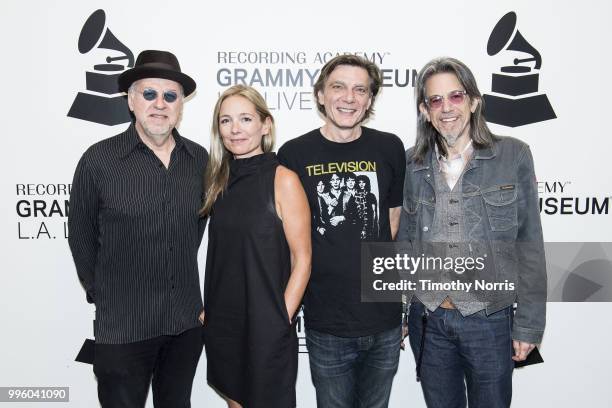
(530, 317)
(403, 240)
(83, 226)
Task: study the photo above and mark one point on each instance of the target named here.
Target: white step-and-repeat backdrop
(542, 65)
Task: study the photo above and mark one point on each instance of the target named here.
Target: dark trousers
(353, 372)
(124, 371)
(471, 354)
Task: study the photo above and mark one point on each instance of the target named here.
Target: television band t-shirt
(350, 188)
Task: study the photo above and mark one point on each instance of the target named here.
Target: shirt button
(160, 165)
(425, 228)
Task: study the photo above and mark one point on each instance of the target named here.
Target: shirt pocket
(501, 206)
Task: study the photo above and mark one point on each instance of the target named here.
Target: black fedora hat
(156, 64)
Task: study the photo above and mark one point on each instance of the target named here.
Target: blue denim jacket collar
(480, 153)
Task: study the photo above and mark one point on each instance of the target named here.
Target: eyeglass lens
(151, 94)
(455, 97)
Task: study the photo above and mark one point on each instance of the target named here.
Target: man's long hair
(427, 135)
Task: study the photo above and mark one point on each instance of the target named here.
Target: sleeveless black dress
(251, 348)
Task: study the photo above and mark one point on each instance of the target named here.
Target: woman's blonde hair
(217, 169)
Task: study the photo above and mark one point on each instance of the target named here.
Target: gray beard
(451, 140)
(157, 136)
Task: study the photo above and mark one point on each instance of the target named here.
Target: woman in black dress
(258, 261)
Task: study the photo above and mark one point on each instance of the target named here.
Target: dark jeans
(475, 350)
(353, 372)
(124, 371)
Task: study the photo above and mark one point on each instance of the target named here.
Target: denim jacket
(502, 218)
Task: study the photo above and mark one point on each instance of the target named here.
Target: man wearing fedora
(134, 236)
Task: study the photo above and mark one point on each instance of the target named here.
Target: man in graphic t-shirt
(353, 345)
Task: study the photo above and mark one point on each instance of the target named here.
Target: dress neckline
(239, 167)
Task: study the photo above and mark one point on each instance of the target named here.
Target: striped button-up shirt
(134, 234)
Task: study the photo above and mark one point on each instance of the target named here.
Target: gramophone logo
(102, 102)
(515, 100)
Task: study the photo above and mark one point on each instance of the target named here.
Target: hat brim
(130, 76)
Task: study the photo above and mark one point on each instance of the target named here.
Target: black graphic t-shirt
(350, 188)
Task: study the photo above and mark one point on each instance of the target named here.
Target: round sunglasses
(436, 101)
(150, 94)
